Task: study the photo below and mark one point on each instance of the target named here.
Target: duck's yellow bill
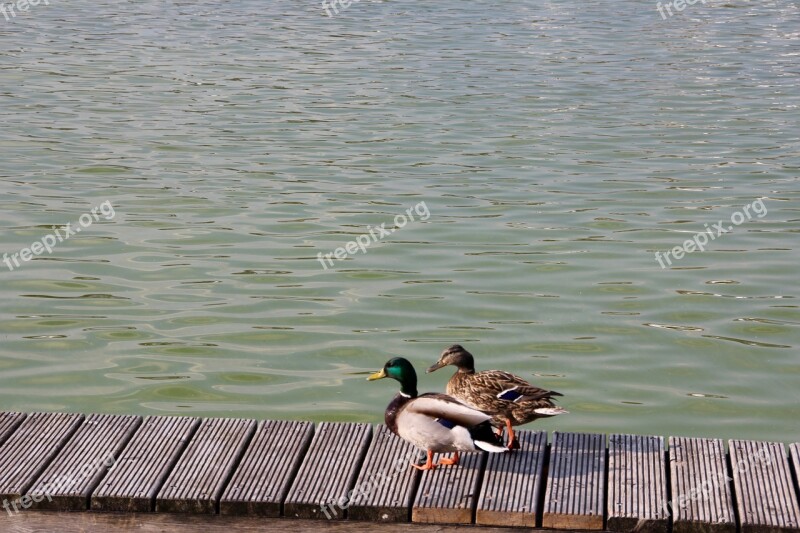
(377, 375)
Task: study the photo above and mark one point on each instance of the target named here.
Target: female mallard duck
(508, 398)
(434, 422)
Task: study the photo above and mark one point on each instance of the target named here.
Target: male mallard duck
(508, 398)
(434, 422)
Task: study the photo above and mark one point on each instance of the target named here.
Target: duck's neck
(394, 407)
(408, 390)
(465, 363)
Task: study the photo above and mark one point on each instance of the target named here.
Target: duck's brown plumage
(509, 399)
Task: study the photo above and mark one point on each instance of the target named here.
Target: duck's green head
(401, 370)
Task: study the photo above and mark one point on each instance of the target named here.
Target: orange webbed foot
(428, 464)
(444, 461)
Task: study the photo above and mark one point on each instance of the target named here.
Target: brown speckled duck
(509, 399)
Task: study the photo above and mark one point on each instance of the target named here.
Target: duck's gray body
(438, 423)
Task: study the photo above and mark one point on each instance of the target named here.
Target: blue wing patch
(510, 395)
(449, 424)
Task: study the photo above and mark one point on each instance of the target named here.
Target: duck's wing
(528, 394)
(506, 386)
(442, 406)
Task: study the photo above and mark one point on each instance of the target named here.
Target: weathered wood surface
(143, 465)
(385, 486)
(575, 496)
(201, 473)
(9, 422)
(69, 480)
(29, 449)
(765, 496)
(512, 484)
(100, 522)
(701, 496)
(447, 495)
(794, 455)
(328, 471)
(237, 467)
(261, 482)
(637, 486)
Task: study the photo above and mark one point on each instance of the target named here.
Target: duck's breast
(438, 435)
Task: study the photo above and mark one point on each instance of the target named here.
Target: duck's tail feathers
(484, 437)
(490, 447)
(551, 411)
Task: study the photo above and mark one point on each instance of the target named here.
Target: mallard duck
(510, 400)
(434, 422)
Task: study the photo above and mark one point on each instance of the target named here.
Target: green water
(556, 147)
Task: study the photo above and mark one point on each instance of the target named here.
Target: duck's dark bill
(434, 367)
(376, 375)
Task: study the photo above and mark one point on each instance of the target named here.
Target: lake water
(546, 150)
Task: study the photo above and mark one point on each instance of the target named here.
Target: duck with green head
(510, 400)
(434, 422)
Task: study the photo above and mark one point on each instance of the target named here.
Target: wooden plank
(328, 470)
(65, 522)
(765, 497)
(637, 484)
(385, 486)
(575, 496)
(9, 422)
(794, 453)
(269, 464)
(28, 450)
(701, 495)
(143, 465)
(202, 471)
(512, 483)
(448, 494)
(69, 480)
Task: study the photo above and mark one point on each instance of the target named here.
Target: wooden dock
(234, 470)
